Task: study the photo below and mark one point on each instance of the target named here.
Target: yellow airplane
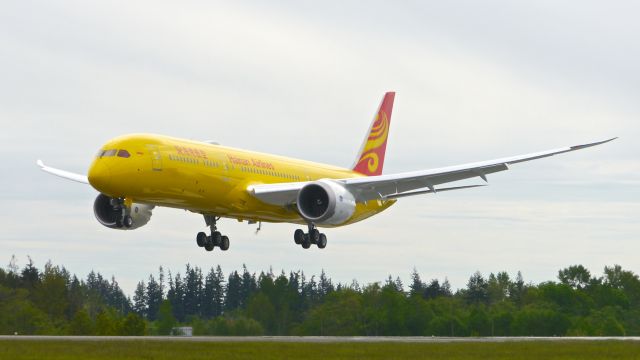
(135, 173)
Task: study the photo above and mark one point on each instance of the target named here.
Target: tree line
(52, 301)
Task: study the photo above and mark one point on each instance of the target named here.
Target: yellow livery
(206, 178)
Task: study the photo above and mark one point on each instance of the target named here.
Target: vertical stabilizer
(371, 156)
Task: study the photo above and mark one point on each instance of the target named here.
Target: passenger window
(123, 153)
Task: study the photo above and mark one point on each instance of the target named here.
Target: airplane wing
(408, 183)
(63, 174)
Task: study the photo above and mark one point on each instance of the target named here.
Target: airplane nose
(99, 176)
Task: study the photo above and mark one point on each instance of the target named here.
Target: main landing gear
(312, 237)
(215, 239)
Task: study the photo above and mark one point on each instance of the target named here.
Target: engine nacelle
(325, 202)
(111, 216)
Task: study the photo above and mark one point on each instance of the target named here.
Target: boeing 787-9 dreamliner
(135, 173)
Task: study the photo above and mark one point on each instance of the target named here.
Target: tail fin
(371, 156)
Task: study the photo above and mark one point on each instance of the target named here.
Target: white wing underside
(63, 174)
(406, 184)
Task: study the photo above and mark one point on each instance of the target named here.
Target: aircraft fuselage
(206, 178)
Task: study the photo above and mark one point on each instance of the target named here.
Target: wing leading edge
(408, 183)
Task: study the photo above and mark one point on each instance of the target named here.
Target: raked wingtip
(583, 146)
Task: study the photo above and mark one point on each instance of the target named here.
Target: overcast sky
(474, 81)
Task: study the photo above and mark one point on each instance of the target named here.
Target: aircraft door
(156, 157)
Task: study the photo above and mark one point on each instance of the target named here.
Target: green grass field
(55, 349)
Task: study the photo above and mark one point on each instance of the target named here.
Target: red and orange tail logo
(371, 157)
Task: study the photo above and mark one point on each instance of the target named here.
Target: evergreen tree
(218, 292)
(140, 300)
(296, 301)
(192, 291)
(98, 286)
(213, 293)
(433, 290)
(248, 286)
(51, 293)
(206, 302)
(476, 292)
(417, 287)
(355, 286)
(13, 268)
(175, 295)
(116, 297)
(498, 287)
(233, 293)
(154, 298)
(395, 285)
(75, 297)
(325, 286)
(311, 293)
(294, 281)
(445, 289)
(398, 284)
(11, 278)
(516, 290)
(30, 275)
(161, 280)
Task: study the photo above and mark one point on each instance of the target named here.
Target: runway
(315, 339)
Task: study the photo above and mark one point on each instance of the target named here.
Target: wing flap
(282, 194)
(431, 191)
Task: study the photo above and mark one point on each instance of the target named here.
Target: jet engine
(325, 202)
(112, 213)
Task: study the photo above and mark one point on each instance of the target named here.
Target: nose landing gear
(123, 213)
(312, 237)
(215, 239)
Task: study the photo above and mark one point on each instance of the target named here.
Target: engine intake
(111, 216)
(325, 202)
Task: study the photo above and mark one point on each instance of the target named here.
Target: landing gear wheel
(224, 243)
(201, 239)
(298, 236)
(322, 242)
(119, 223)
(208, 245)
(216, 237)
(306, 244)
(128, 221)
(314, 236)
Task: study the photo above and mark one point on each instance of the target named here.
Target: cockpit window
(123, 153)
(105, 153)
